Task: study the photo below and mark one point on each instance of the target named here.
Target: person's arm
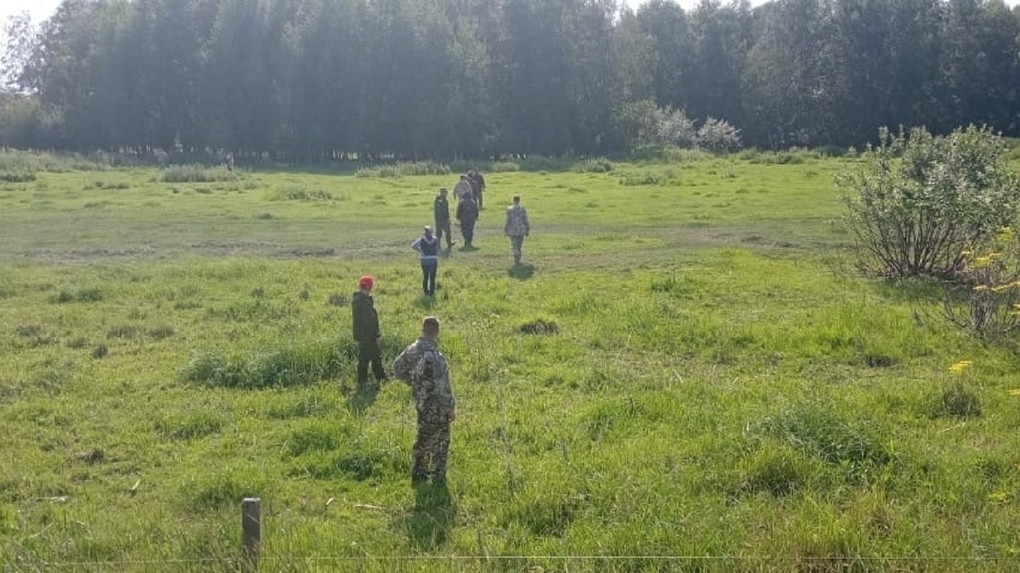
(416, 245)
(403, 364)
(506, 225)
(527, 225)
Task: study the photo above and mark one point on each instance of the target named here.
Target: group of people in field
(421, 364)
(468, 193)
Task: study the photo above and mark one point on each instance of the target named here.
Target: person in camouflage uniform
(516, 226)
(423, 366)
(467, 214)
(463, 188)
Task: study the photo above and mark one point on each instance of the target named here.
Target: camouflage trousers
(431, 445)
(516, 244)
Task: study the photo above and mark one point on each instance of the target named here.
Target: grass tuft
(194, 173)
(539, 326)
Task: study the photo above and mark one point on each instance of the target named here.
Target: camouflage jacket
(516, 224)
(423, 366)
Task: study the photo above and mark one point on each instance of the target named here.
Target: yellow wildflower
(1014, 392)
(960, 366)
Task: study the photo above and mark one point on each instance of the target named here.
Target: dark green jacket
(366, 320)
(441, 206)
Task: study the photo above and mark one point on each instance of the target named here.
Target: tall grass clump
(403, 169)
(504, 167)
(853, 448)
(26, 161)
(544, 163)
(595, 165)
(294, 365)
(194, 173)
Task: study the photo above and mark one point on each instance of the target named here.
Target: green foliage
(406, 169)
(91, 294)
(777, 469)
(959, 401)
(647, 177)
(292, 365)
(17, 176)
(990, 281)
(854, 447)
(543, 163)
(718, 135)
(504, 167)
(596, 165)
(299, 194)
(698, 343)
(194, 173)
(918, 201)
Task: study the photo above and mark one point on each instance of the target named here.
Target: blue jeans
(428, 272)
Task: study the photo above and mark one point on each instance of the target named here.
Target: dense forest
(307, 80)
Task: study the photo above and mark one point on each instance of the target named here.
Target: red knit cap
(366, 282)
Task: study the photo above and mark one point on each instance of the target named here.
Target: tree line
(308, 80)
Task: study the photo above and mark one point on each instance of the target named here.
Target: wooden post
(251, 533)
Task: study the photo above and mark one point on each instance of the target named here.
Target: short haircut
(430, 325)
(517, 198)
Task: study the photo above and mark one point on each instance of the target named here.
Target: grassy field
(686, 375)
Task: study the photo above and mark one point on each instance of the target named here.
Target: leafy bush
(990, 284)
(21, 161)
(596, 165)
(504, 167)
(17, 176)
(643, 123)
(718, 135)
(916, 203)
(543, 163)
(194, 173)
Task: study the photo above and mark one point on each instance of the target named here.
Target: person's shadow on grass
(521, 271)
(467, 248)
(363, 397)
(428, 526)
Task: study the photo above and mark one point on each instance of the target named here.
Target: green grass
(683, 376)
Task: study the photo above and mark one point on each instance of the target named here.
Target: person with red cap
(366, 332)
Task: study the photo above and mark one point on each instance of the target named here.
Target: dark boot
(517, 260)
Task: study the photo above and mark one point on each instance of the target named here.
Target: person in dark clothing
(366, 332)
(467, 214)
(441, 209)
(427, 246)
(477, 181)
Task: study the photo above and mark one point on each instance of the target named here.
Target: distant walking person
(441, 210)
(366, 332)
(423, 366)
(516, 226)
(467, 214)
(427, 246)
(477, 181)
(463, 188)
